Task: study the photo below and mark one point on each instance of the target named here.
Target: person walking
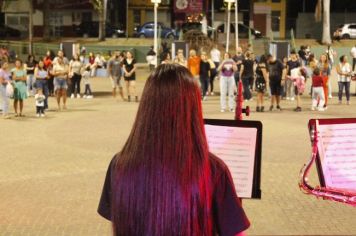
(60, 72)
(20, 88)
(330, 53)
(227, 82)
(115, 72)
(41, 75)
(47, 60)
(129, 65)
(193, 65)
(344, 78)
(325, 71)
(204, 74)
(318, 97)
(277, 74)
(75, 69)
(247, 75)
(261, 82)
(164, 181)
(292, 63)
(4, 82)
(215, 57)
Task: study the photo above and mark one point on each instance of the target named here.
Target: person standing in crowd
(303, 55)
(330, 55)
(204, 74)
(160, 165)
(86, 76)
(284, 88)
(20, 89)
(325, 70)
(180, 59)
(292, 63)
(166, 58)
(344, 78)
(41, 75)
(75, 69)
(215, 56)
(193, 65)
(151, 59)
(40, 103)
(31, 80)
(247, 75)
(47, 60)
(60, 72)
(353, 55)
(91, 59)
(129, 65)
(60, 55)
(261, 82)
(115, 73)
(4, 81)
(297, 77)
(238, 58)
(277, 74)
(227, 82)
(318, 91)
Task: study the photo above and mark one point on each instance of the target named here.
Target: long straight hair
(161, 178)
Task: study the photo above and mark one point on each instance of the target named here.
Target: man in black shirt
(277, 74)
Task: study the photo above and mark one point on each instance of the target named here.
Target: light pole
(236, 26)
(155, 46)
(229, 2)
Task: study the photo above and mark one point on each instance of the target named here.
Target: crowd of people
(59, 77)
(280, 79)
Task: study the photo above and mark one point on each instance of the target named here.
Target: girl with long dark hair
(164, 181)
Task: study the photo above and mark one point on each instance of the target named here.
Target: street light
(155, 46)
(236, 26)
(229, 3)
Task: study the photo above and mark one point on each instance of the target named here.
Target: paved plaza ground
(52, 169)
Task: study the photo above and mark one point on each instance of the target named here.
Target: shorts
(260, 86)
(116, 82)
(275, 88)
(60, 84)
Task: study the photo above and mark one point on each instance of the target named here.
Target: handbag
(9, 90)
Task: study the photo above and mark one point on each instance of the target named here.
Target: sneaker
(222, 110)
(43, 115)
(288, 98)
(212, 93)
(78, 95)
(84, 96)
(330, 96)
(292, 98)
(271, 108)
(258, 109)
(204, 98)
(89, 96)
(72, 96)
(313, 108)
(348, 103)
(298, 109)
(38, 115)
(321, 109)
(279, 108)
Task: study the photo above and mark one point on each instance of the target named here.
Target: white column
(228, 26)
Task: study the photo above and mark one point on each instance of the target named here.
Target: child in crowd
(318, 91)
(40, 103)
(297, 77)
(86, 76)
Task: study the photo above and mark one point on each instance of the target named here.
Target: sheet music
(236, 147)
(337, 150)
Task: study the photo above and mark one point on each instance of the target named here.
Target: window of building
(275, 20)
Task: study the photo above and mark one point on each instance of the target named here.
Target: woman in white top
(42, 76)
(344, 78)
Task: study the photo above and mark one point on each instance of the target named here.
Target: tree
(101, 7)
(326, 39)
(323, 9)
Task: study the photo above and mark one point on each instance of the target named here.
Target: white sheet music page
(236, 146)
(337, 151)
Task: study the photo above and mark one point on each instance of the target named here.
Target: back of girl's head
(342, 58)
(263, 59)
(162, 175)
(316, 71)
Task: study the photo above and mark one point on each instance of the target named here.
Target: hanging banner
(185, 6)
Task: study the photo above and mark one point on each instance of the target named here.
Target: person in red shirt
(318, 98)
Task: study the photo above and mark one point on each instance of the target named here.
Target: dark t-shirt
(228, 215)
(238, 59)
(31, 64)
(248, 68)
(292, 65)
(204, 69)
(129, 67)
(275, 70)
